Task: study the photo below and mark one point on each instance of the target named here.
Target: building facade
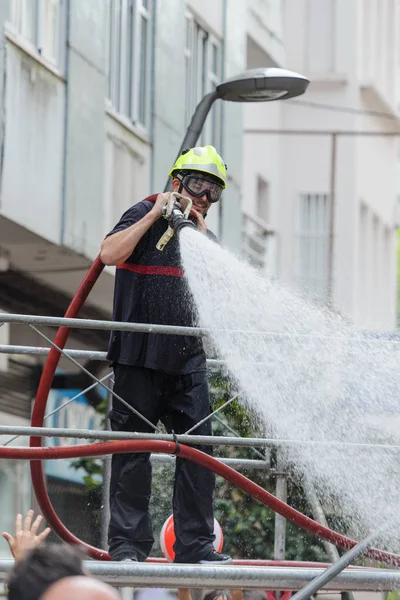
(323, 178)
(95, 99)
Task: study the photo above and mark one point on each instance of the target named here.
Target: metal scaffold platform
(276, 574)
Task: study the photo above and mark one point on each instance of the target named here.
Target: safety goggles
(199, 186)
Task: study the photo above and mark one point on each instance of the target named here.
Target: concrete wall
(84, 160)
(33, 145)
(266, 28)
(126, 172)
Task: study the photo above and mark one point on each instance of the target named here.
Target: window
(203, 73)
(129, 58)
(41, 24)
(313, 243)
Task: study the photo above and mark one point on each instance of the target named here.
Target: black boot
(215, 558)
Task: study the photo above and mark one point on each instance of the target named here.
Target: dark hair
(254, 595)
(41, 567)
(217, 594)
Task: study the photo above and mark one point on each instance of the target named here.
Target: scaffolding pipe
(228, 577)
(76, 323)
(37, 454)
(208, 440)
(84, 354)
(344, 561)
(43, 351)
(319, 515)
(280, 522)
(235, 463)
(72, 322)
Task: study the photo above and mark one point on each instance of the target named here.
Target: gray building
(95, 98)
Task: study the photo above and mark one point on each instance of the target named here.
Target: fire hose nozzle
(178, 220)
(176, 217)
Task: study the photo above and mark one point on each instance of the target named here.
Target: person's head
(218, 595)
(255, 595)
(41, 567)
(79, 588)
(199, 173)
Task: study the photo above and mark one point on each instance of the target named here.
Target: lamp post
(254, 85)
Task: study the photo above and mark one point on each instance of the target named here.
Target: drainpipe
(66, 122)
(153, 93)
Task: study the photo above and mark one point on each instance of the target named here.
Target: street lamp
(254, 85)
(263, 85)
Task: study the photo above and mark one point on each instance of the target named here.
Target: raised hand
(25, 536)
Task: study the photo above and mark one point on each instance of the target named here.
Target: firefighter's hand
(26, 536)
(200, 222)
(161, 201)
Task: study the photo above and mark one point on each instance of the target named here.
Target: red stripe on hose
(152, 269)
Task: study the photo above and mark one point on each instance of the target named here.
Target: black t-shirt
(150, 288)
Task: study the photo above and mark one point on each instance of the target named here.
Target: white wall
(33, 149)
(327, 40)
(265, 27)
(126, 172)
(262, 157)
(209, 14)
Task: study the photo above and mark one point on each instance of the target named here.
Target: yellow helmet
(204, 159)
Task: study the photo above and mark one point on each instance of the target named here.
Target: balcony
(259, 242)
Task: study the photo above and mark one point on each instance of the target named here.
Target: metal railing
(192, 576)
(259, 243)
(230, 577)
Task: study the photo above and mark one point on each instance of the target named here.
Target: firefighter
(161, 376)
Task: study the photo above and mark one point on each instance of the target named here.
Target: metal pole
(98, 324)
(321, 580)
(235, 463)
(229, 577)
(364, 337)
(100, 434)
(319, 516)
(195, 126)
(95, 434)
(105, 490)
(331, 241)
(87, 354)
(280, 521)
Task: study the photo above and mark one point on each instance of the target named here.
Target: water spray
(296, 317)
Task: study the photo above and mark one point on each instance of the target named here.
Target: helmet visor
(200, 186)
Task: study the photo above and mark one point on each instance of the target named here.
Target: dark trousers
(179, 401)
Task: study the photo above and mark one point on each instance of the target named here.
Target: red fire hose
(36, 453)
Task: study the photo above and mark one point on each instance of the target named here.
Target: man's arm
(184, 594)
(116, 248)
